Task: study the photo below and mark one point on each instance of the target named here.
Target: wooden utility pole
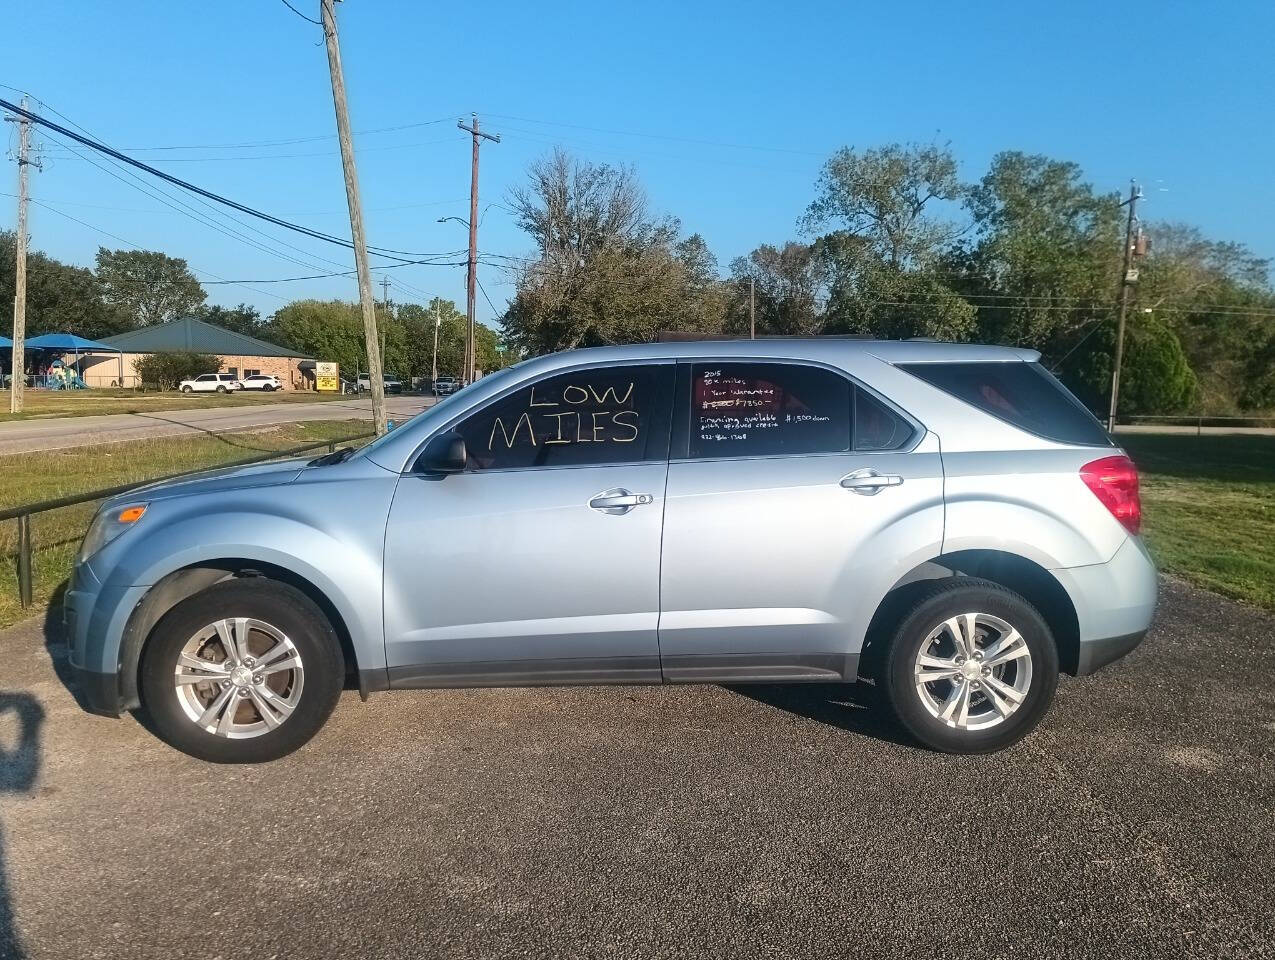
(1127, 278)
(433, 374)
(385, 291)
(752, 309)
(18, 380)
(470, 287)
(375, 376)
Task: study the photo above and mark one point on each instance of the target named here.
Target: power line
(487, 298)
(317, 153)
(186, 185)
(659, 136)
(317, 23)
(129, 243)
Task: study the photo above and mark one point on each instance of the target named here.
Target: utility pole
(328, 16)
(1128, 277)
(438, 322)
(752, 309)
(18, 380)
(470, 287)
(385, 291)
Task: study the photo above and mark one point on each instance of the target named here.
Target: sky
(727, 110)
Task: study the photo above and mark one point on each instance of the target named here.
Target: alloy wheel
(973, 671)
(239, 678)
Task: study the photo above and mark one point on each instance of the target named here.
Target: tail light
(1114, 481)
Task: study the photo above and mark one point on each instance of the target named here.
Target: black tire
(221, 388)
(950, 598)
(269, 388)
(188, 389)
(284, 607)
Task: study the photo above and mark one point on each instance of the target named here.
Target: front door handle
(868, 483)
(619, 501)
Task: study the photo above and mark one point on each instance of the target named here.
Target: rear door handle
(619, 501)
(869, 483)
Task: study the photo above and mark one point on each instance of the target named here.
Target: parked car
(262, 381)
(445, 386)
(946, 519)
(211, 383)
(392, 383)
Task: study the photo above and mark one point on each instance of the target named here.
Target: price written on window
(577, 413)
(731, 408)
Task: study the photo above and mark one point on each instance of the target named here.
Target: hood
(214, 481)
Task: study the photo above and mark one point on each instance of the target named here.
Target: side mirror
(444, 454)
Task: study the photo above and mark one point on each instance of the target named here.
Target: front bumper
(93, 620)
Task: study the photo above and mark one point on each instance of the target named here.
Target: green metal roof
(191, 334)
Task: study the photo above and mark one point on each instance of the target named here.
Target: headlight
(109, 524)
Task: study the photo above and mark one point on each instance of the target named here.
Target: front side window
(767, 409)
(587, 418)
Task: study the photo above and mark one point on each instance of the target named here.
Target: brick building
(240, 354)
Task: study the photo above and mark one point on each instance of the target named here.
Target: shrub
(167, 370)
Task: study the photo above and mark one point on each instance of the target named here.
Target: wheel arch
(187, 581)
(1025, 577)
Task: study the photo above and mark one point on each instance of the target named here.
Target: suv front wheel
(245, 671)
(972, 668)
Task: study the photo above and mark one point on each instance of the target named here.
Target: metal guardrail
(23, 512)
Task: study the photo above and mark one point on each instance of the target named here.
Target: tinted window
(760, 409)
(876, 426)
(613, 415)
(1023, 394)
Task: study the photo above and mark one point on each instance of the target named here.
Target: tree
(146, 286)
(790, 287)
(1155, 376)
(1047, 254)
(1217, 298)
(881, 196)
(241, 319)
(880, 258)
(166, 370)
(60, 298)
(333, 330)
(606, 271)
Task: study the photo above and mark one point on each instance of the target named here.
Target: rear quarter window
(1023, 394)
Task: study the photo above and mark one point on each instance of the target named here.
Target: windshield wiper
(336, 456)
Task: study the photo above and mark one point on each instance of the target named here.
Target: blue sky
(727, 110)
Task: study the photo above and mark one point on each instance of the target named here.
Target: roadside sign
(325, 376)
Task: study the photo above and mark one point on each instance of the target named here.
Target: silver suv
(945, 519)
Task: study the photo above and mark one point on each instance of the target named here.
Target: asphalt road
(662, 822)
(56, 433)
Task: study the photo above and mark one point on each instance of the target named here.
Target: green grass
(55, 535)
(1209, 510)
(38, 404)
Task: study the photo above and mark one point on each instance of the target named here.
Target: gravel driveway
(660, 822)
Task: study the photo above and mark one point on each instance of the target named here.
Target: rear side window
(876, 426)
(1024, 394)
(764, 409)
(585, 418)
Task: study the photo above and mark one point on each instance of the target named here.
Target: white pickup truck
(392, 384)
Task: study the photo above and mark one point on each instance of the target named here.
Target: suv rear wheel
(245, 671)
(972, 668)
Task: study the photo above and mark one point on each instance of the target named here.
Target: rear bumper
(1096, 654)
(1114, 602)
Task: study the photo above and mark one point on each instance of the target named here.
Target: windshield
(442, 407)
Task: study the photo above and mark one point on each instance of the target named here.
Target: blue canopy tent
(70, 343)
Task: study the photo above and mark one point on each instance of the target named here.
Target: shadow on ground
(854, 708)
(20, 719)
